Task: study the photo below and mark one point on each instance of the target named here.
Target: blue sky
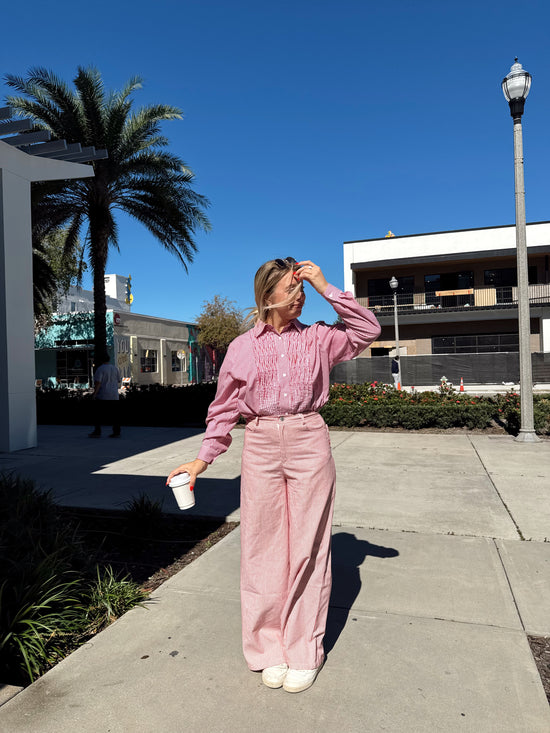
(309, 123)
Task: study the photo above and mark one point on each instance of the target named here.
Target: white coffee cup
(182, 490)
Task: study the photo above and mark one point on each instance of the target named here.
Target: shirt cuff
(207, 455)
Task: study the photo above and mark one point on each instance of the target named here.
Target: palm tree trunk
(100, 314)
(99, 249)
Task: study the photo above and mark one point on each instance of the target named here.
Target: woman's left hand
(312, 273)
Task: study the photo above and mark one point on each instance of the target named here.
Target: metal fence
(427, 370)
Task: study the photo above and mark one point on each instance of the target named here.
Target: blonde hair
(265, 281)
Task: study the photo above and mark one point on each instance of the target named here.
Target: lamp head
(515, 87)
(394, 283)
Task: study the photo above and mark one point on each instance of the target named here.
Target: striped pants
(287, 499)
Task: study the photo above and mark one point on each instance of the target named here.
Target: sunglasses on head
(288, 261)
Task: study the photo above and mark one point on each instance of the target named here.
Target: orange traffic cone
(461, 384)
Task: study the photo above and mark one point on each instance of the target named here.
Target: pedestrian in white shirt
(107, 380)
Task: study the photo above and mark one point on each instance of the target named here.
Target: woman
(277, 376)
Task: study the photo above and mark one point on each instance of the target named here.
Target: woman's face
(280, 294)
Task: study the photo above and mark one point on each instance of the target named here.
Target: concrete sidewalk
(434, 594)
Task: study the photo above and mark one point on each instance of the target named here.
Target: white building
(78, 300)
(147, 349)
(457, 301)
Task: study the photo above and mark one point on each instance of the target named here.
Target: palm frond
(89, 86)
(54, 106)
(135, 82)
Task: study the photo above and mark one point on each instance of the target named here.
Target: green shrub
(40, 609)
(34, 544)
(108, 598)
(378, 405)
(143, 517)
(509, 409)
(48, 584)
(541, 410)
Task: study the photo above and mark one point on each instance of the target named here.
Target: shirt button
(282, 356)
(284, 375)
(284, 395)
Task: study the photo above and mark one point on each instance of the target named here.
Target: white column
(162, 361)
(134, 359)
(545, 331)
(17, 392)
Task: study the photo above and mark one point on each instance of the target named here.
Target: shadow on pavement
(348, 554)
(106, 474)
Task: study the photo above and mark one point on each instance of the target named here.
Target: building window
(381, 286)
(476, 344)
(381, 294)
(73, 306)
(502, 276)
(73, 366)
(178, 365)
(449, 281)
(148, 360)
(503, 279)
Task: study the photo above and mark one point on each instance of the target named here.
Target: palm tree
(139, 177)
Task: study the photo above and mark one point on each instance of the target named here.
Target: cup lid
(179, 480)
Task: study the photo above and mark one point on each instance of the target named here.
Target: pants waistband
(299, 417)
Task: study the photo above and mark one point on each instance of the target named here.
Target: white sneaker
(298, 680)
(274, 676)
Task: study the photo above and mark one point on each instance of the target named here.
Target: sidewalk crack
(509, 585)
(516, 525)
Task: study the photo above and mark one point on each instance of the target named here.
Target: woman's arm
(223, 412)
(359, 326)
(222, 417)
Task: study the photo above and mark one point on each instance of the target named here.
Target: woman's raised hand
(312, 273)
(193, 468)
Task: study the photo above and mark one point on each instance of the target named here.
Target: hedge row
(380, 405)
(371, 405)
(149, 405)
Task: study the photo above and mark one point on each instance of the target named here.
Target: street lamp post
(393, 284)
(516, 87)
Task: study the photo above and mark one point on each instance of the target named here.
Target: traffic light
(129, 297)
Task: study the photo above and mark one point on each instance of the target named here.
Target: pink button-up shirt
(270, 373)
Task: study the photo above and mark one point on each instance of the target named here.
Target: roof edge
(445, 231)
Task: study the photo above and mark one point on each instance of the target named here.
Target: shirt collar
(262, 327)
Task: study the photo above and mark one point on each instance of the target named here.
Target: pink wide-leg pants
(287, 499)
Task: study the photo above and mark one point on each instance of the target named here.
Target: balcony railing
(418, 301)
